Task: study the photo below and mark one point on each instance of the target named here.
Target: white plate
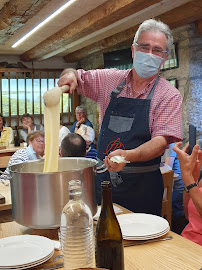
(22, 250)
(26, 266)
(141, 226)
(147, 237)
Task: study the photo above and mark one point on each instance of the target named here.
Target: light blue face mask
(146, 65)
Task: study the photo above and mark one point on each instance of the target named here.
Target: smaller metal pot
(38, 198)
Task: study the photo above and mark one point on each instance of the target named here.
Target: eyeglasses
(146, 49)
(39, 141)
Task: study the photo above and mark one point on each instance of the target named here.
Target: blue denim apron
(139, 186)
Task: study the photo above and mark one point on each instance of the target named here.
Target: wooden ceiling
(86, 27)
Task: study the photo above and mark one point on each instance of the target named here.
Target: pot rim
(61, 158)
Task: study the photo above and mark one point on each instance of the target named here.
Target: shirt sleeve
(98, 84)
(18, 157)
(23, 135)
(169, 152)
(72, 128)
(11, 136)
(167, 118)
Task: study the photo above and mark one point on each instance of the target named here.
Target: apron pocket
(120, 124)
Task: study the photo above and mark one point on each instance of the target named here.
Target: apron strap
(118, 90)
(153, 88)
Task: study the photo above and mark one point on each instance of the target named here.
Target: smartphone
(192, 138)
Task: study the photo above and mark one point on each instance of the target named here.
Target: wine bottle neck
(106, 198)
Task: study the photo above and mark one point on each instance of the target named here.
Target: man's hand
(114, 166)
(69, 77)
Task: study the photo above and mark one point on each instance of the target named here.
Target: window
(173, 82)
(121, 59)
(172, 60)
(22, 92)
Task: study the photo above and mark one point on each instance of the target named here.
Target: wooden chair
(167, 202)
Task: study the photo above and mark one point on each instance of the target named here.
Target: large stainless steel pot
(38, 198)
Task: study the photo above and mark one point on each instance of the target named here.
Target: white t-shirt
(62, 133)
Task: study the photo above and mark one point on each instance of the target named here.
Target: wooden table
(6, 192)
(5, 154)
(176, 254)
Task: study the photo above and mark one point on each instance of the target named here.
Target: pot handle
(100, 166)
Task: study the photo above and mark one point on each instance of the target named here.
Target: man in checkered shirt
(140, 114)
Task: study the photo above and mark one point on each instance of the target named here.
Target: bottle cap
(106, 184)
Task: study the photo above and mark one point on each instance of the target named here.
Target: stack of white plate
(24, 251)
(138, 226)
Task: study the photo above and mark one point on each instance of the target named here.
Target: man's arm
(147, 151)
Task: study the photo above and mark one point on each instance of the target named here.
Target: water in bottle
(76, 230)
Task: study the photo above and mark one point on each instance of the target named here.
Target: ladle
(52, 97)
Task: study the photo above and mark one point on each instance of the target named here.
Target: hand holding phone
(192, 138)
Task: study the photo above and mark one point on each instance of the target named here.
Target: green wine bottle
(108, 237)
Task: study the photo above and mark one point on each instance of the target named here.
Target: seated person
(178, 218)
(190, 166)
(6, 133)
(28, 126)
(81, 118)
(89, 135)
(34, 151)
(73, 145)
(63, 131)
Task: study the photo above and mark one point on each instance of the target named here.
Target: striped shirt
(165, 116)
(19, 156)
(91, 153)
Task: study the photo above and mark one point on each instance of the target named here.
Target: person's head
(80, 113)
(27, 119)
(87, 133)
(2, 121)
(36, 139)
(73, 145)
(151, 45)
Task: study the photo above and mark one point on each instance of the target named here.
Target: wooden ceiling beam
(104, 15)
(102, 46)
(174, 18)
(15, 14)
(199, 27)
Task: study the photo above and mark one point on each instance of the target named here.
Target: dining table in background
(175, 254)
(6, 192)
(6, 152)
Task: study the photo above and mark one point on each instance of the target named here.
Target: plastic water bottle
(76, 230)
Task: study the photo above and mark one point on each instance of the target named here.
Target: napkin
(116, 210)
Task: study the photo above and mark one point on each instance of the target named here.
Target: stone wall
(189, 76)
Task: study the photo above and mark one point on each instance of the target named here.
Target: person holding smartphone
(190, 166)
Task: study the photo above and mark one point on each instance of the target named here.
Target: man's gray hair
(80, 108)
(153, 25)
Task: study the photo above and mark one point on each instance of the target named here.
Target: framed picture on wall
(172, 60)
(173, 82)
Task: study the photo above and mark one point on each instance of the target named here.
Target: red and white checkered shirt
(165, 117)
